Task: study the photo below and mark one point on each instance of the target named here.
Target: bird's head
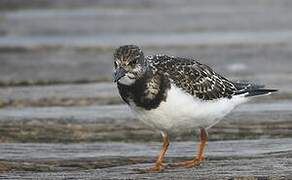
(128, 64)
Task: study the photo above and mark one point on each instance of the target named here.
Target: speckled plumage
(169, 92)
(195, 78)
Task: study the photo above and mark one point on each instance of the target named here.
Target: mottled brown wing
(193, 77)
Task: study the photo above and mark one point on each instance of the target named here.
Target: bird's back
(199, 80)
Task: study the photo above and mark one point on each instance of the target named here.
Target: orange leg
(159, 166)
(201, 152)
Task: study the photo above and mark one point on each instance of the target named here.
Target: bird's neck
(147, 92)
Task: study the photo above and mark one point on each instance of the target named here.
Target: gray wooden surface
(58, 44)
(61, 116)
(267, 158)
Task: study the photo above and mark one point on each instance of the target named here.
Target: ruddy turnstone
(177, 94)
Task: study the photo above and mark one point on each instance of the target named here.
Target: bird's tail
(250, 89)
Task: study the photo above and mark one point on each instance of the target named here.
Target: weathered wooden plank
(103, 90)
(186, 16)
(59, 95)
(116, 122)
(200, 24)
(150, 40)
(80, 95)
(216, 149)
(237, 63)
(105, 112)
(47, 67)
(247, 158)
(63, 4)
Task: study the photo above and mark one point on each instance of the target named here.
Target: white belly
(182, 111)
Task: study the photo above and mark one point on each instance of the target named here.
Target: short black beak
(119, 73)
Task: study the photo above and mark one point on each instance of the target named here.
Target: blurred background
(56, 64)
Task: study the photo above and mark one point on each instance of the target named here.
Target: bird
(177, 94)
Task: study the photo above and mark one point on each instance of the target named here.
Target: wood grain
(267, 158)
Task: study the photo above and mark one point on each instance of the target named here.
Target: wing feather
(193, 77)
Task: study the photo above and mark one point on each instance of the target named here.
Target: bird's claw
(159, 167)
(187, 164)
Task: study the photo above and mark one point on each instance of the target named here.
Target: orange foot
(157, 168)
(188, 164)
(200, 157)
